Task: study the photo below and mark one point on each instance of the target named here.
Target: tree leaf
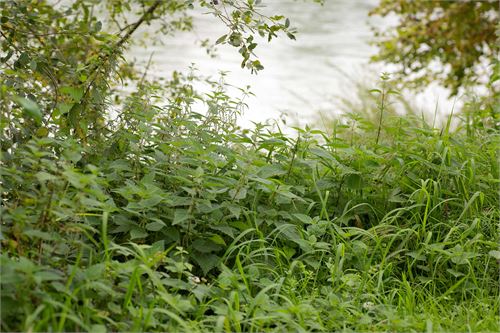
(76, 93)
(30, 107)
(221, 39)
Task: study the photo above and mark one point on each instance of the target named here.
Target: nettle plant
(79, 161)
(136, 213)
(60, 60)
(59, 104)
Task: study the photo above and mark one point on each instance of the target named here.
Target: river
(301, 77)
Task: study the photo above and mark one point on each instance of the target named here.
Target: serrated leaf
(25, 265)
(218, 240)
(43, 176)
(303, 218)
(48, 276)
(138, 233)
(155, 226)
(205, 246)
(269, 171)
(39, 234)
(207, 261)
(238, 194)
(94, 272)
(151, 202)
(180, 216)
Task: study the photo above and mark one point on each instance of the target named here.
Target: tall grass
(182, 222)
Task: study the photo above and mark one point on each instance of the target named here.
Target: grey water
(301, 77)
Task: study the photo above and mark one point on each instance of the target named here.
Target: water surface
(331, 52)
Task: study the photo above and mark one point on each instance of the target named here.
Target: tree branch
(138, 23)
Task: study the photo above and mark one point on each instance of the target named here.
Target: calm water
(331, 51)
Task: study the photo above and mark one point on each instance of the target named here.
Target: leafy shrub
(181, 221)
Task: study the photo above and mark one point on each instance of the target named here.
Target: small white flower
(195, 279)
(368, 306)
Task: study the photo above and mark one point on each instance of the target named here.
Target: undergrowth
(177, 221)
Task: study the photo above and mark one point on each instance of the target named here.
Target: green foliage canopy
(459, 35)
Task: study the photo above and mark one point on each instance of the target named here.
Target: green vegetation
(139, 214)
(461, 36)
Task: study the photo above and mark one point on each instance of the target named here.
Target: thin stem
(382, 108)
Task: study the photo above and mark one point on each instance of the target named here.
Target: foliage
(60, 87)
(179, 222)
(135, 213)
(444, 41)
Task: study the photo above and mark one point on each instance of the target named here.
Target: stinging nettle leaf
(354, 181)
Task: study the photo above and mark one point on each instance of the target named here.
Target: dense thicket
(177, 221)
(136, 213)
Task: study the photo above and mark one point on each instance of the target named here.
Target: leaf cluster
(444, 41)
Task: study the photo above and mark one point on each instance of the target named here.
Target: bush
(182, 221)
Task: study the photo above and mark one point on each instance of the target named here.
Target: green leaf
(269, 171)
(303, 218)
(43, 176)
(30, 107)
(64, 107)
(98, 26)
(180, 201)
(155, 226)
(98, 328)
(238, 194)
(94, 272)
(218, 240)
(205, 246)
(48, 276)
(24, 59)
(455, 273)
(221, 39)
(416, 255)
(322, 153)
(138, 233)
(151, 202)
(207, 261)
(354, 181)
(76, 93)
(34, 234)
(25, 265)
(74, 114)
(180, 216)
